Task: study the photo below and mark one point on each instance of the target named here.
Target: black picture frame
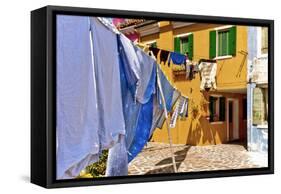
(43, 96)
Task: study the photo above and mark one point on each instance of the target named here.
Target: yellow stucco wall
(231, 74)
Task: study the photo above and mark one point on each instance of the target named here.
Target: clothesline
(160, 49)
(172, 84)
(154, 58)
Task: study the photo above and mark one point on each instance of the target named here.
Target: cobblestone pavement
(155, 158)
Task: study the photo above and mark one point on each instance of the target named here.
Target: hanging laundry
(160, 118)
(177, 58)
(181, 105)
(196, 68)
(184, 110)
(176, 96)
(157, 112)
(138, 68)
(107, 22)
(145, 116)
(94, 114)
(111, 120)
(117, 161)
(164, 56)
(187, 70)
(174, 116)
(191, 72)
(208, 75)
(76, 99)
(147, 81)
(129, 79)
(181, 110)
(116, 165)
(155, 51)
(110, 105)
(168, 91)
(142, 130)
(137, 64)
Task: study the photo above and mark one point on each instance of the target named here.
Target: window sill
(262, 55)
(223, 57)
(216, 122)
(264, 126)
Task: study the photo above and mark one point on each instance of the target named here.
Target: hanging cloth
(168, 91)
(208, 75)
(155, 51)
(139, 79)
(174, 116)
(160, 117)
(191, 72)
(184, 107)
(144, 122)
(188, 70)
(177, 59)
(78, 142)
(105, 52)
(185, 112)
(164, 56)
(112, 122)
(117, 161)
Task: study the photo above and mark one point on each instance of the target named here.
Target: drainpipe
(252, 51)
(249, 115)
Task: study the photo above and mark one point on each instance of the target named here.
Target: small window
(222, 42)
(264, 40)
(217, 108)
(184, 45)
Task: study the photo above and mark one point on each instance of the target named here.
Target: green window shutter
(232, 41)
(212, 46)
(190, 46)
(211, 108)
(154, 45)
(177, 44)
(222, 109)
(184, 44)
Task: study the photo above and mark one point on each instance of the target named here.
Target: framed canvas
(127, 96)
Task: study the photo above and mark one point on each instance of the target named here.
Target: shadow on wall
(200, 131)
(168, 164)
(243, 62)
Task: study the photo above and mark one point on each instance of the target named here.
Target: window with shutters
(184, 45)
(216, 108)
(222, 42)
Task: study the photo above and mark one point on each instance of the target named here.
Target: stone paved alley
(155, 158)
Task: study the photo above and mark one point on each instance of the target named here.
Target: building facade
(215, 116)
(257, 89)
